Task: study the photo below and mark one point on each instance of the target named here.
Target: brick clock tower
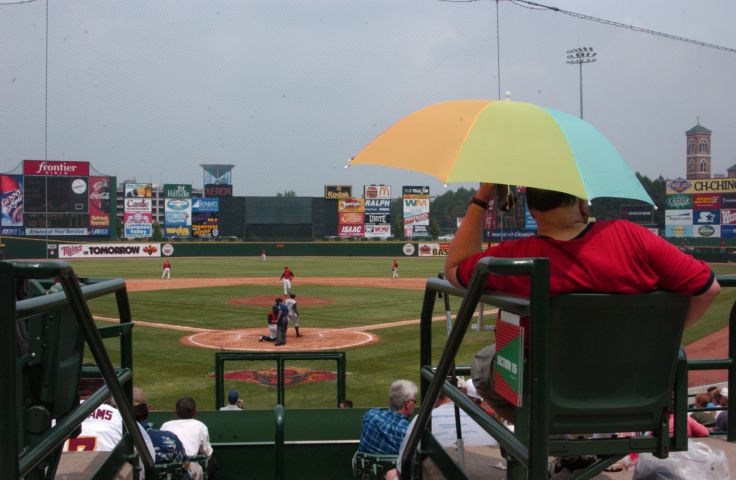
(698, 152)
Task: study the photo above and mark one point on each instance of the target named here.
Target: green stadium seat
(368, 466)
(601, 364)
(612, 366)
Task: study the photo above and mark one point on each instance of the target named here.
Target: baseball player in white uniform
(293, 312)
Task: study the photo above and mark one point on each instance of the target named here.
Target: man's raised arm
(469, 236)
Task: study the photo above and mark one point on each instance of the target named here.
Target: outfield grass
(166, 369)
(203, 267)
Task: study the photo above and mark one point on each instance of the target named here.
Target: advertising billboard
(377, 205)
(338, 192)
(55, 168)
(110, 250)
(415, 201)
(11, 188)
(99, 201)
(641, 214)
(177, 190)
(138, 217)
(137, 204)
(205, 224)
(205, 205)
(376, 191)
(680, 201)
(218, 190)
(138, 190)
(706, 201)
(708, 185)
(178, 217)
(350, 217)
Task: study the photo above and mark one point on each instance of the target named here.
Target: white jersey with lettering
(101, 431)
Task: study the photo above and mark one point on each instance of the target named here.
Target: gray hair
(400, 392)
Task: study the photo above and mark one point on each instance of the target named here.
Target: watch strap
(477, 201)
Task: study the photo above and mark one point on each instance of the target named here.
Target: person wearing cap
(286, 279)
(282, 321)
(166, 445)
(234, 402)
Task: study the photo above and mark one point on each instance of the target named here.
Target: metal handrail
(538, 271)
(280, 358)
(72, 296)
(729, 363)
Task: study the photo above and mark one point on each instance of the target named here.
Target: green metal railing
(280, 358)
(520, 455)
(16, 459)
(728, 364)
(528, 448)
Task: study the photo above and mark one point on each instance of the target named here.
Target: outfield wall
(708, 250)
(17, 248)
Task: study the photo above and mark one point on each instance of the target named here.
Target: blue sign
(728, 231)
(205, 205)
(138, 230)
(13, 231)
(99, 232)
(706, 217)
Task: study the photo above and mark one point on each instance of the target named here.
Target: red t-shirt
(167, 264)
(288, 274)
(613, 256)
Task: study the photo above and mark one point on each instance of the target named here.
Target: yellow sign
(708, 185)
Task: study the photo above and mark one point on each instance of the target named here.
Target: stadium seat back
(612, 360)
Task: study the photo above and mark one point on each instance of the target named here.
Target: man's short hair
(400, 392)
(545, 200)
(186, 407)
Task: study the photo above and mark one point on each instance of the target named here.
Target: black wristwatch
(477, 201)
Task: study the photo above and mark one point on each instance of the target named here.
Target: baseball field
(346, 304)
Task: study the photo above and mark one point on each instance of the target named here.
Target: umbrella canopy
(506, 142)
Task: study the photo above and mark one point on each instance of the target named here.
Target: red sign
(350, 218)
(138, 217)
(728, 217)
(56, 168)
(218, 190)
(99, 201)
(706, 201)
(350, 230)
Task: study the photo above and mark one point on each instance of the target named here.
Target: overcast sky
(288, 90)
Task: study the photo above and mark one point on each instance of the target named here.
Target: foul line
(363, 328)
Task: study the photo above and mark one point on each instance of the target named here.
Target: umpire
(282, 321)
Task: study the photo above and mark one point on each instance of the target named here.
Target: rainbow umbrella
(505, 142)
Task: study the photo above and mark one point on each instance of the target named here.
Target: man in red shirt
(606, 256)
(167, 270)
(286, 278)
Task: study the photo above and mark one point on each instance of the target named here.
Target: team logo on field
(292, 376)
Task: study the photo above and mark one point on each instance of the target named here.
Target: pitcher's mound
(268, 300)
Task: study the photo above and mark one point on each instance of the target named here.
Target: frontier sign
(55, 168)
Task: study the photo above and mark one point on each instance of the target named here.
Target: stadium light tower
(580, 56)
